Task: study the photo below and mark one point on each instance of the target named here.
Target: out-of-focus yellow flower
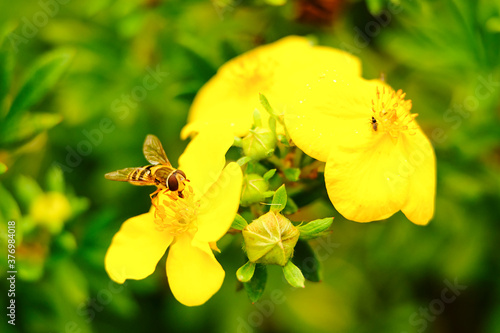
(51, 210)
(276, 70)
(378, 160)
(189, 225)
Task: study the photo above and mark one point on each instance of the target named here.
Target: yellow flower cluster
(378, 160)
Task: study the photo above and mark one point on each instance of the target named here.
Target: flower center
(177, 215)
(391, 113)
(252, 73)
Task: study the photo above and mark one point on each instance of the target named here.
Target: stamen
(177, 215)
(395, 119)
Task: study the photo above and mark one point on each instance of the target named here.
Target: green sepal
(279, 199)
(244, 160)
(255, 287)
(293, 275)
(257, 118)
(245, 272)
(267, 106)
(239, 222)
(314, 229)
(269, 174)
(305, 259)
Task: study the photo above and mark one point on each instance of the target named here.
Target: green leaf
(257, 118)
(305, 259)
(293, 275)
(292, 174)
(267, 106)
(268, 175)
(42, 77)
(29, 126)
(55, 180)
(3, 168)
(291, 207)
(9, 209)
(375, 6)
(27, 190)
(279, 199)
(244, 160)
(316, 228)
(245, 272)
(255, 287)
(6, 65)
(239, 222)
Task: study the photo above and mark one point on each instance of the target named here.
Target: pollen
(391, 113)
(178, 215)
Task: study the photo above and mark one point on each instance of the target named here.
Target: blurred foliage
(82, 83)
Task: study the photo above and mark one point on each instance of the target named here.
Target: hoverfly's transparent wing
(131, 175)
(153, 151)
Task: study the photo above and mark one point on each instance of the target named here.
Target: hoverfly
(159, 173)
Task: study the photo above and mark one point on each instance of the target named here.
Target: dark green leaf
(305, 259)
(28, 126)
(255, 287)
(279, 200)
(42, 77)
(291, 206)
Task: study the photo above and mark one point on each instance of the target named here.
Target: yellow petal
(204, 157)
(419, 207)
(366, 182)
(328, 110)
(276, 70)
(219, 205)
(193, 272)
(136, 249)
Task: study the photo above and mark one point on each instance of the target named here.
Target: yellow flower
(378, 160)
(275, 70)
(189, 225)
(51, 210)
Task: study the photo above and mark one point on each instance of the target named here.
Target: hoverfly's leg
(153, 196)
(180, 194)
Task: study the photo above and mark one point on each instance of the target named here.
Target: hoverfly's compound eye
(181, 173)
(172, 182)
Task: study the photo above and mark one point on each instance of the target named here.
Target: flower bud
(259, 143)
(270, 239)
(254, 189)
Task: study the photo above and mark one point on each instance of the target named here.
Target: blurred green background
(74, 72)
